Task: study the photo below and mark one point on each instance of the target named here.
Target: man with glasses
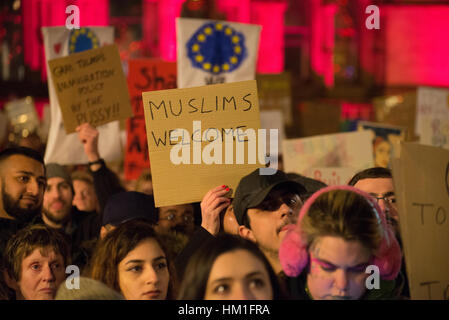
(378, 182)
(178, 218)
(265, 206)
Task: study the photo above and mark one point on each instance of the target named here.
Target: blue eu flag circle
(216, 48)
(82, 39)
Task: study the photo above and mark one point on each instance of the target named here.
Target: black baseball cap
(125, 206)
(254, 188)
(311, 185)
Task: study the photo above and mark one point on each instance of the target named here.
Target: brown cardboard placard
(421, 184)
(91, 87)
(206, 113)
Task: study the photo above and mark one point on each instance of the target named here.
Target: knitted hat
(56, 170)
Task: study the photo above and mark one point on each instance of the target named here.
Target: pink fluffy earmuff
(294, 256)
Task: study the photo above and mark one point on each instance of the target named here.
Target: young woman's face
(238, 275)
(337, 269)
(143, 273)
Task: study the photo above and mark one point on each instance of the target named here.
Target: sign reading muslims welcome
(91, 87)
(196, 139)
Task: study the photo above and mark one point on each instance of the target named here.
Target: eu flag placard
(211, 52)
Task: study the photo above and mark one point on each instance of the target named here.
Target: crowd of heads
(281, 236)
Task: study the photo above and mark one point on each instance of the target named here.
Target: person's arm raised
(88, 135)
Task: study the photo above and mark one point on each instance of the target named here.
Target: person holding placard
(264, 207)
(106, 182)
(341, 236)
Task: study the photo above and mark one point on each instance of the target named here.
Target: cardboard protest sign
(91, 87)
(432, 117)
(66, 148)
(191, 136)
(210, 51)
(350, 150)
(422, 187)
(144, 75)
(386, 141)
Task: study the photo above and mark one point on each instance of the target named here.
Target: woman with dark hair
(229, 267)
(132, 259)
(341, 231)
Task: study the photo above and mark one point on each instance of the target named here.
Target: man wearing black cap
(264, 206)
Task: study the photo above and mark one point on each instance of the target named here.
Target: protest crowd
(281, 236)
(332, 219)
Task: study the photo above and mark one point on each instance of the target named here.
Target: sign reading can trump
(215, 51)
(203, 137)
(421, 179)
(91, 87)
(66, 148)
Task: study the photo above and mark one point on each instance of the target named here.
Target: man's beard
(181, 228)
(54, 219)
(13, 209)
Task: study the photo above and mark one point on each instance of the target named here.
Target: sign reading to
(421, 184)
